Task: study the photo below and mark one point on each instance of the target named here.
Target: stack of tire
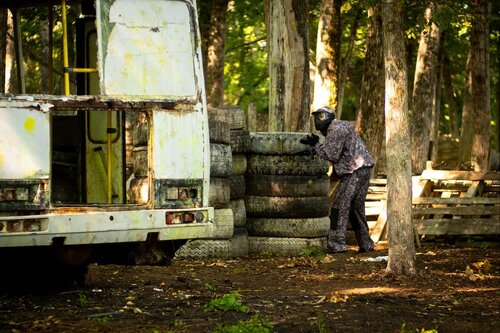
(286, 195)
(228, 241)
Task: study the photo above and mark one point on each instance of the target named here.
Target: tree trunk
(450, 97)
(436, 105)
(204, 11)
(423, 91)
(465, 147)
(215, 57)
(345, 62)
(288, 47)
(3, 44)
(44, 69)
(481, 110)
(326, 79)
(400, 228)
(370, 123)
(10, 56)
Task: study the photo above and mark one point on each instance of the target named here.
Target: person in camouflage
(352, 165)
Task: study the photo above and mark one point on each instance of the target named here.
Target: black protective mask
(322, 120)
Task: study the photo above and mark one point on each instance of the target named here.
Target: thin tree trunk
(3, 44)
(10, 56)
(346, 62)
(480, 86)
(436, 106)
(44, 38)
(423, 91)
(370, 123)
(450, 97)
(326, 79)
(204, 11)
(215, 58)
(400, 228)
(465, 147)
(288, 65)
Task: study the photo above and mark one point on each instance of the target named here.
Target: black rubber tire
(287, 207)
(237, 187)
(277, 143)
(219, 132)
(204, 249)
(275, 227)
(219, 192)
(239, 243)
(239, 141)
(239, 166)
(239, 212)
(286, 165)
(281, 246)
(221, 160)
(287, 186)
(224, 223)
(234, 115)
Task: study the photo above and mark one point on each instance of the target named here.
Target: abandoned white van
(123, 155)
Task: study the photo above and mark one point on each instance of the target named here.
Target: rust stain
(29, 124)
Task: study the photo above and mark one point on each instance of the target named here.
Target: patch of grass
(321, 323)
(209, 286)
(313, 251)
(228, 302)
(241, 270)
(82, 300)
(254, 325)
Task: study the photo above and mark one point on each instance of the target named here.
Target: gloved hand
(310, 140)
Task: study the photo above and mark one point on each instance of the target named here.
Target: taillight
(185, 217)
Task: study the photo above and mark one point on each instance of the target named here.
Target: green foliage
(228, 302)
(82, 300)
(254, 325)
(313, 251)
(209, 286)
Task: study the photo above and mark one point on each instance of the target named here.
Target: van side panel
(24, 141)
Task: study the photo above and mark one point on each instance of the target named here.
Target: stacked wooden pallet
(444, 203)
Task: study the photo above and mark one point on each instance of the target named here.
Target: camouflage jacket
(343, 148)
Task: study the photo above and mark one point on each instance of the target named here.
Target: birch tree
(400, 230)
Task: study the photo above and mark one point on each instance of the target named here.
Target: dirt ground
(457, 290)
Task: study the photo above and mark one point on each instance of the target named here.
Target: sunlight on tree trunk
(3, 41)
(423, 91)
(436, 104)
(370, 123)
(215, 54)
(399, 219)
(480, 86)
(288, 47)
(10, 82)
(327, 56)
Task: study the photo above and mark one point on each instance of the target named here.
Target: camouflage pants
(349, 204)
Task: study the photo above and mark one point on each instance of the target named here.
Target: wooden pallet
(444, 203)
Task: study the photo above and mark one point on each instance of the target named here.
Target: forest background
(238, 59)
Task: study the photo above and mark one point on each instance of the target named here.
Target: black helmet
(323, 117)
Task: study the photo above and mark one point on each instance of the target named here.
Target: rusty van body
(123, 155)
